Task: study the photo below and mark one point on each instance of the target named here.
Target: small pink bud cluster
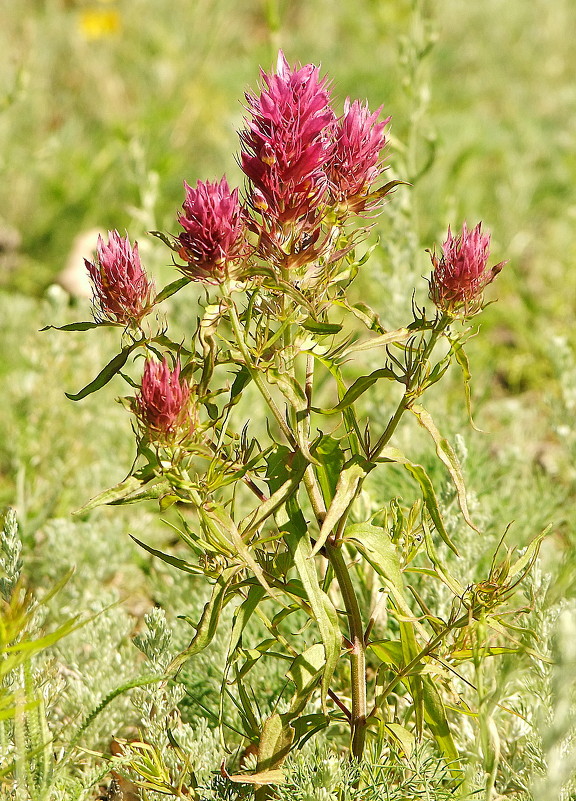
(163, 403)
(461, 274)
(213, 243)
(122, 292)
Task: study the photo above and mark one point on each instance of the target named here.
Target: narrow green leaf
(305, 671)
(181, 564)
(289, 387)
(242, 615)
(391, 454)
(379, 550)
(241, 380)
(275, 741)
(357, 389)
(389, 338)
(462, 361)
(387, 188)
(348, 483)
(169, 241)
(105, 375)
(220, 517)
(322, 329)
(293, 526)
(296, 467)
(389, 651)
(529, 554)
(437, 722)
(365, 314)
(448, 457)
(85, 326)
(120, 491)
(208, 622)
(171, 289)
(176, 347)
(330, 463)
(403, 737)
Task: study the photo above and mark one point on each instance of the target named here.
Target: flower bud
(214, 237)
(356, 164)
(286, 143)
(163, 403)
(460, 274)
(122, 292)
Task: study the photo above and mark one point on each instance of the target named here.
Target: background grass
(106, 107)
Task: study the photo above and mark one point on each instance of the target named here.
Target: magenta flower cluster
(214, 236)
(163, 403)
(288, 142)
(461, 274)
(121, 291)
(307, 171)
(301, 160)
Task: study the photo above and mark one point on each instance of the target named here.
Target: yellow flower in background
(96, 23)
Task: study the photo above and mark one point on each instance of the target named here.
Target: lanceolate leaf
(292, 525)
(181, 564)
(375, 544)
(358, 388)
(389, 338)
(76, 326)
(219, 518)
(448, 457)
(106, 374)
(529, 554)
(417, 471)
(348, 483)
(208, 622)
(295, 469)
(305, 672)
(462, 359)
(275, 741)
(117, 493)
(322, 329)
(243, 614)
(330, 462)
(435, 717)
(171, 289)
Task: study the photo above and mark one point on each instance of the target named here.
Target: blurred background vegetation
(106, 106)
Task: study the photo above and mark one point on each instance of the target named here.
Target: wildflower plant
(268, 519)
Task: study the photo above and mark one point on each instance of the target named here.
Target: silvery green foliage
(321, 774)
(155, 641)
(551, 688)
(10, 555)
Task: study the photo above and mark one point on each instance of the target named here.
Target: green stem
(255, 374)
(357, 651)
(409, 395)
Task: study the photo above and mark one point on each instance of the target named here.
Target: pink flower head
(213, 240)
(460, 274)
(287, 142)
(163, 403)
(355, 164)
(122, 292)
